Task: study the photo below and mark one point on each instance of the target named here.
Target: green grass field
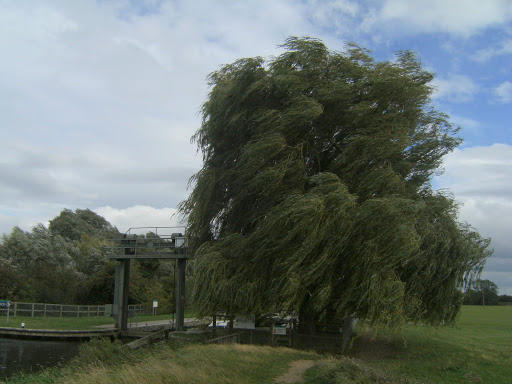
(78, 323)
(477, 350)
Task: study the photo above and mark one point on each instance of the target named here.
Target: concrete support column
(116, 308)
(126, 291)
(180, 295)
(121, 293)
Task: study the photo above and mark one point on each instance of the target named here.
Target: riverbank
(477, 350)
(52, 334)
(88, 329)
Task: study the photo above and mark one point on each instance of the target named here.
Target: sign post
(5, 304)
(155, 306)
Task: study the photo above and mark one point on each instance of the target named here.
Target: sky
(99, 99)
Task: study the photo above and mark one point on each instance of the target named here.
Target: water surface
(33, 355)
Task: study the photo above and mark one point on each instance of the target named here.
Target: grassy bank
(477, 350)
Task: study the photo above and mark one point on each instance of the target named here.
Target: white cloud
(481, 180)
(482, 171)
(140, 216)
(458, 17)
(338, 14)
(504, 48)
(455, 88)
(503, 92)
(98, 99)
(503, 279)
(465, 122)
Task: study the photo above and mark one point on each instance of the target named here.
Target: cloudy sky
(99, 99)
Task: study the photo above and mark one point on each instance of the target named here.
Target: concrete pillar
(116, 308)
(126, 292)
(121, 293)
(180, 295)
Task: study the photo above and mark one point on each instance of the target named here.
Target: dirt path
(294, 374)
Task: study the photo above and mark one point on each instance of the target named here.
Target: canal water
(33, 355)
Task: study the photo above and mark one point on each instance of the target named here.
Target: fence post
(60, 312)
(15, 304)
(32, 314)
(44, 313)
(78, 311)
(293, 328)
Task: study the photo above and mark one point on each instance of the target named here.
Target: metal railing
(62, 310)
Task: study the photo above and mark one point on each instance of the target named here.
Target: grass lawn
(78, 323)
(477, 350)
(62, 323)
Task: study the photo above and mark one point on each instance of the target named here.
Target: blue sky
(99, 99)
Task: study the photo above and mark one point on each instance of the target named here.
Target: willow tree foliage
(315, 196)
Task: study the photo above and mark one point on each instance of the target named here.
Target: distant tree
(315, 197)
(482, 292)
(505, 299)
(72, 225)
(12, 283)
(90, 254)
(42, 258)
(98, 288)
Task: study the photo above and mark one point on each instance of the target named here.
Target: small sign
(180, 242)
(245, 322)
(279, 329)
(5, 304)
(155, 304)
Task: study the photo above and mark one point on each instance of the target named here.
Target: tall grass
(102, 362)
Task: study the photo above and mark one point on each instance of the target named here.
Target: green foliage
(73, 225)
(69, 263)
(482, 292)
(315, 195)
(41, 265)
(11, 282)
(505, 299)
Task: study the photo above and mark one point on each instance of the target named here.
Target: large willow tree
(315, 194)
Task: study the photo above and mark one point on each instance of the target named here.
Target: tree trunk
(346, 332)
(306, 322)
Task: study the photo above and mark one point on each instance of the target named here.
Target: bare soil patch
(294, 374)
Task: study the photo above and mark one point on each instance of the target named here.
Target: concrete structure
(52, 334)
(157, 246)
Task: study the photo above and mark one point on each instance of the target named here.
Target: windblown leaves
(314, 195)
